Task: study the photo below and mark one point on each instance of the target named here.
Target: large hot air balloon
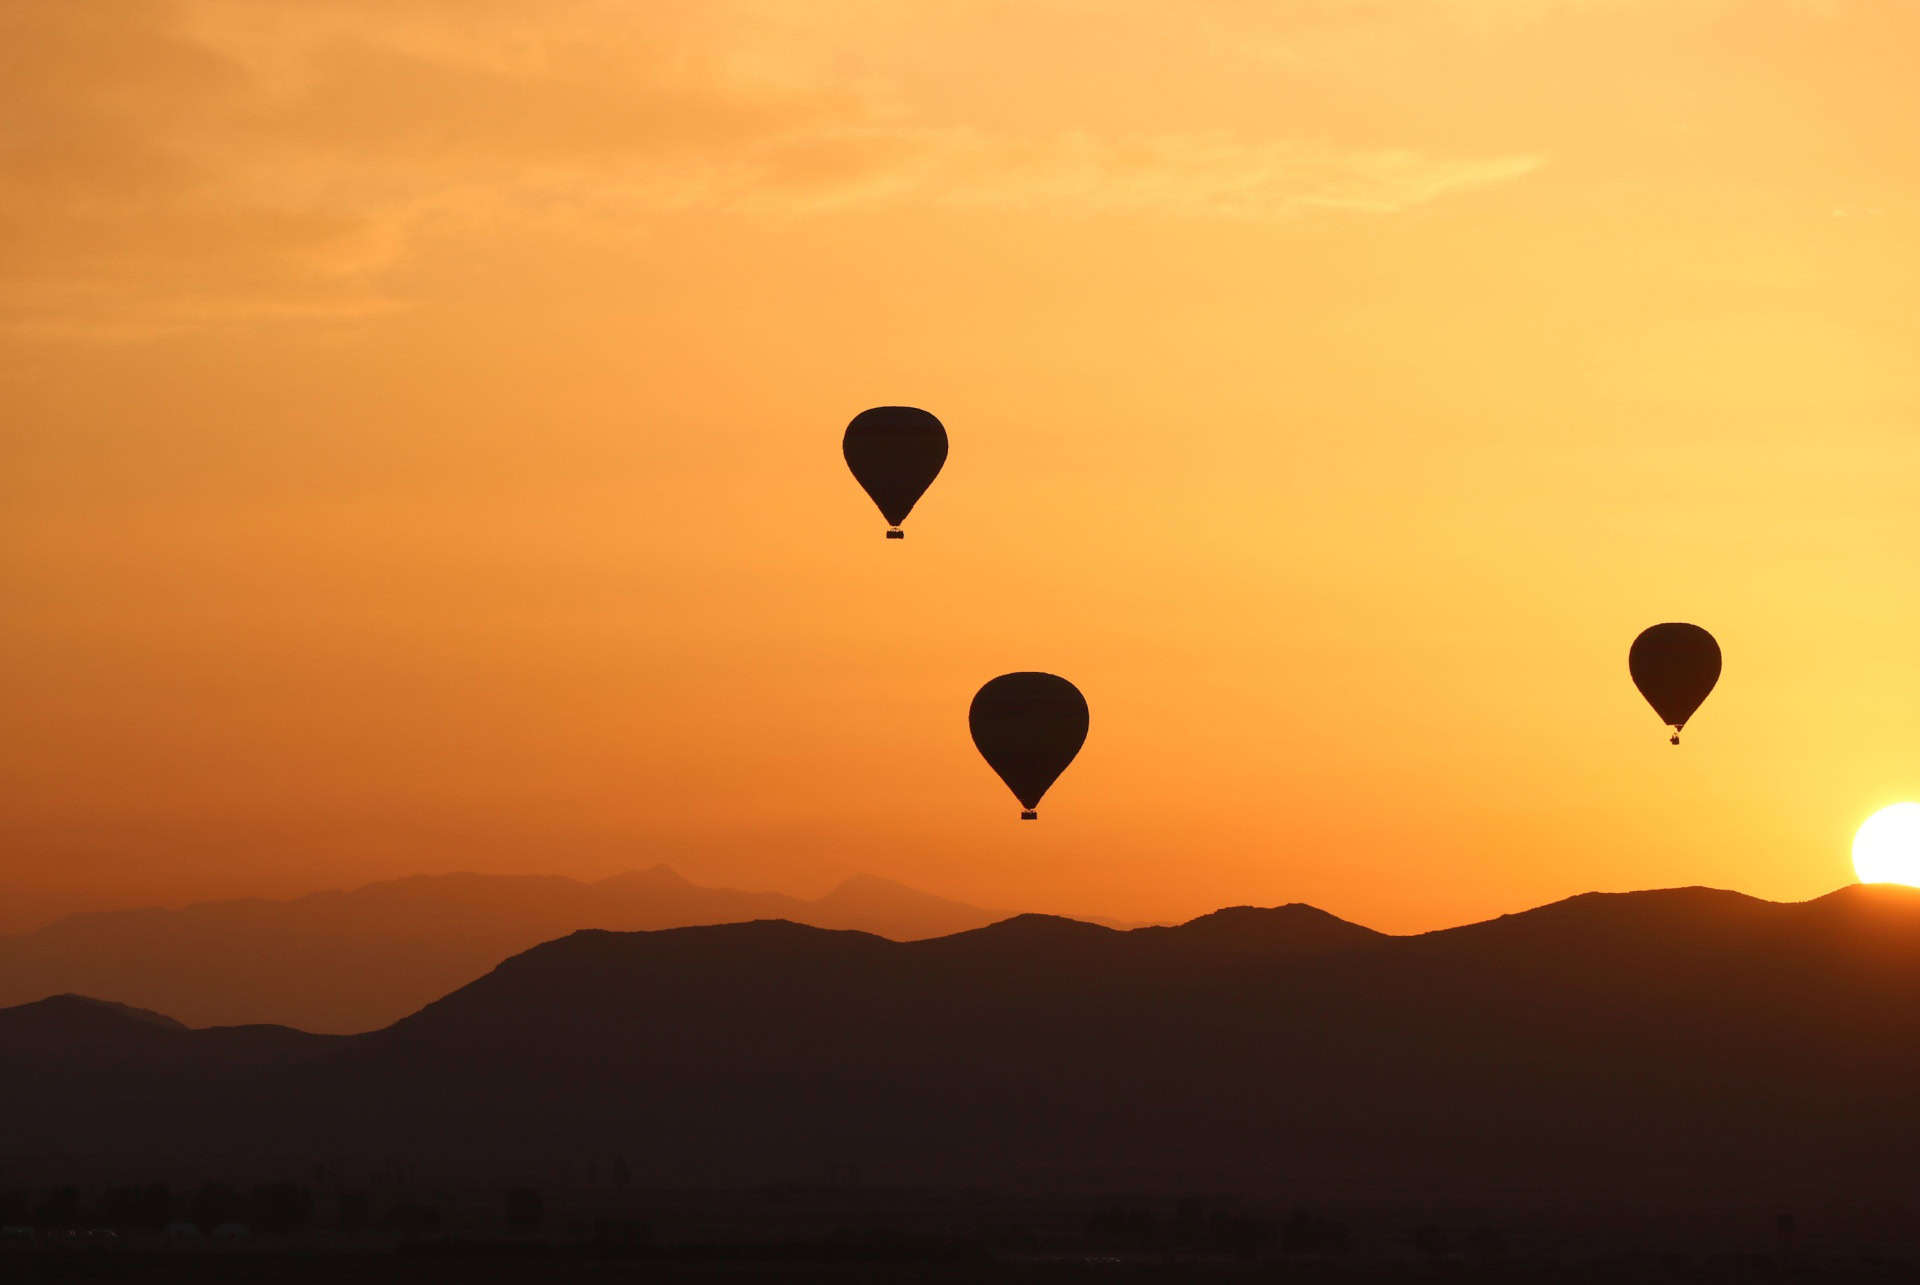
(1028, 727)
(895, 452)
(1674, 666)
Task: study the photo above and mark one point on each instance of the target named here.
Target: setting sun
(1886, 849)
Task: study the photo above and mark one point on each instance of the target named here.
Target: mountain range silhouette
(1682, 1046)
(357, 960)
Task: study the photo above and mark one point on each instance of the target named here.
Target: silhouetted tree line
(1215, 1227)
(275, 1209)
(1479, 1244)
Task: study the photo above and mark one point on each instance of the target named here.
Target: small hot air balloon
(895, 452)
(1028, 727)
(1674, 666)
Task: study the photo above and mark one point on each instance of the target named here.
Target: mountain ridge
(357, 959)
(1712, 1044)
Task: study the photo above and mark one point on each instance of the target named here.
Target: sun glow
(1886, 848)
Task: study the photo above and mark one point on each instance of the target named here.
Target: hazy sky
(419, 443)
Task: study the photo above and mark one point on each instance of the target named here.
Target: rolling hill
(1680, 1046)
(357, 960)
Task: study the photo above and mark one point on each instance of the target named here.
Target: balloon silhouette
(895, 452)
(1674, 666)
(1028, 727)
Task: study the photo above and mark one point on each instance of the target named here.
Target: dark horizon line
(1854, 889)
(859, 877)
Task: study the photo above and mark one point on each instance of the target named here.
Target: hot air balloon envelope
(1028, 727)
(1674, 666)
(895, 452)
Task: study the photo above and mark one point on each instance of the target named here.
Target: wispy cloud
(180, 164)
(1185, 176)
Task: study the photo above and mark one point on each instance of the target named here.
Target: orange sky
(419, 443)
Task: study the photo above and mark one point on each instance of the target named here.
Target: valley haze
(360, 959)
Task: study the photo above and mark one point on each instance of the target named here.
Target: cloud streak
(182, 165)
(1174, 175)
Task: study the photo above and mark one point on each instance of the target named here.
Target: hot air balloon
(1674, 666)
(1028, 727)
(895, 452)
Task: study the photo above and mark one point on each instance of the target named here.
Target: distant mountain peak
(1869, 894)
(1292, 911)
(1035, 928)
(658, 875)
(1692, 893)
(1887, 913)
(864, 882)
(876, 904)
(743, 934)
(750, 928)
(86, 1007)
(1673, 923)
(1293, 928)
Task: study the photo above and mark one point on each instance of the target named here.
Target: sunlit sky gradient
(421, 443)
